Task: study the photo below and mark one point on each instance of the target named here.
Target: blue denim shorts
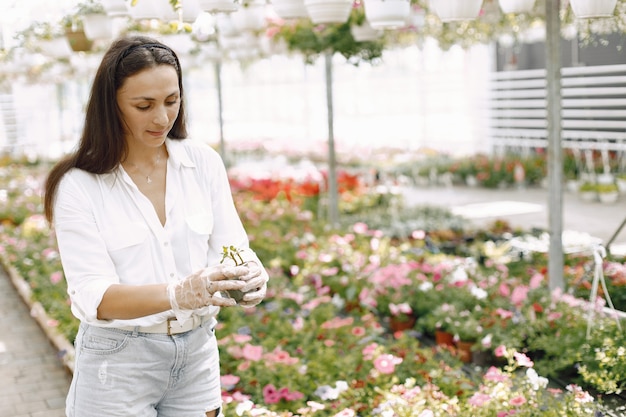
(128, 373)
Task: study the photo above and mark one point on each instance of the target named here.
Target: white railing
(593, 103)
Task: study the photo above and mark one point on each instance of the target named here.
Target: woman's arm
(124, 302)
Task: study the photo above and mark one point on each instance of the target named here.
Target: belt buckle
(169, 325)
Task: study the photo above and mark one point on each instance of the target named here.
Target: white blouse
(109, 233)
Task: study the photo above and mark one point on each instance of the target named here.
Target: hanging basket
(78, 41)
(328, 11)
(585, 9)
(250, 16)
(98, 26)
(453, 10)
(115, 8)
(218, 6)
(387, 14)
(290, 9)
(516, 6)
(365, 32)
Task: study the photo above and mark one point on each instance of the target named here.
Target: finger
(229, 284)
(223, 302)
(258, 294)
(252, 273)
(253, 283)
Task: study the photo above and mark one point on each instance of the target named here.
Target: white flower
(535, 380)
(478, 292)
(244, 406)
(426, 286)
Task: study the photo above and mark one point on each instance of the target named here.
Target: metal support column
(555, 150)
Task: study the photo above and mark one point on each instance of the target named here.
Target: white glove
(256, 285)
(199, 289)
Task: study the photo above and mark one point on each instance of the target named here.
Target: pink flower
(479, 399)
(504, 290)
(494, 374)
(270, 394)
(368, 351)
(519, 295)
(348, 412)
(555, 315)
(386, 364)
(360, 228)
(229, 381)
(396, 309)
(523, 360)
(500, 351)
(505, 314)
(253, 353)
(358, 331)
(298, 324)
(517, 401)
(535, 281)
(242, 338)
(56, 277)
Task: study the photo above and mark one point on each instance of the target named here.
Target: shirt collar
(178, 155)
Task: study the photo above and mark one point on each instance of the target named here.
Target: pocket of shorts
(101, 341)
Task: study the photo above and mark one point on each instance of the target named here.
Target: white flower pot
(290, 9)
(216, 6)
(584, 9)
(55, 48)
(364, 32)
(153, 9)
(98, 26)
(608, 198)
(516, 6)
(452, 10)
(387, 14)
(249, 16)
(328, 11)
(115, 8)
(621, 185)
(181, 43)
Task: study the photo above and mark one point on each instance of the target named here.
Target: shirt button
(165, 243)
(172, 274)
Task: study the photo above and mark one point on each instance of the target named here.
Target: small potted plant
(607, 193)
(588, 191)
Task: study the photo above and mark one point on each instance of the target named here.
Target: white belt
(170, 326)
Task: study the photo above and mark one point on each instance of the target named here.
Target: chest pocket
(200, 228)
(128, 246)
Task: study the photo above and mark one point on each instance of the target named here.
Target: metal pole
(220, 109)
(555, 150)
(333, 194)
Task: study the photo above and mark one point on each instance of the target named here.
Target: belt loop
(135, 331)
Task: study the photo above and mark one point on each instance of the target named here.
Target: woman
(141, 216)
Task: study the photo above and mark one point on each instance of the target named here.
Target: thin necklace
(156, 162)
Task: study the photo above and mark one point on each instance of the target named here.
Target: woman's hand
(256, 285)
(199, 289)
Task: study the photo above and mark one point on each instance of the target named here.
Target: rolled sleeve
(88, 268)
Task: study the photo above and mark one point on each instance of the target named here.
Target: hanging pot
(153, 9)
(98, 26)
(516, 6)
(364, 32)
(387, 14)
(328, 11)
(218, 6)
(78, 41)
(585, 9)
(290, 9)
(250, 16)
(115, 8)
(452, 10)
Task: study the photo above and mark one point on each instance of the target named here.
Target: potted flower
(607, 193)
(588, 191)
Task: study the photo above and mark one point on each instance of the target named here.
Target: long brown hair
(102, 146)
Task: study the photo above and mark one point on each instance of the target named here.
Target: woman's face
(149, 102)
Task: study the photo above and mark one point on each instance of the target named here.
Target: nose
(161, 117)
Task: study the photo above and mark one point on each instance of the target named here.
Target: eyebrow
(153, 99)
